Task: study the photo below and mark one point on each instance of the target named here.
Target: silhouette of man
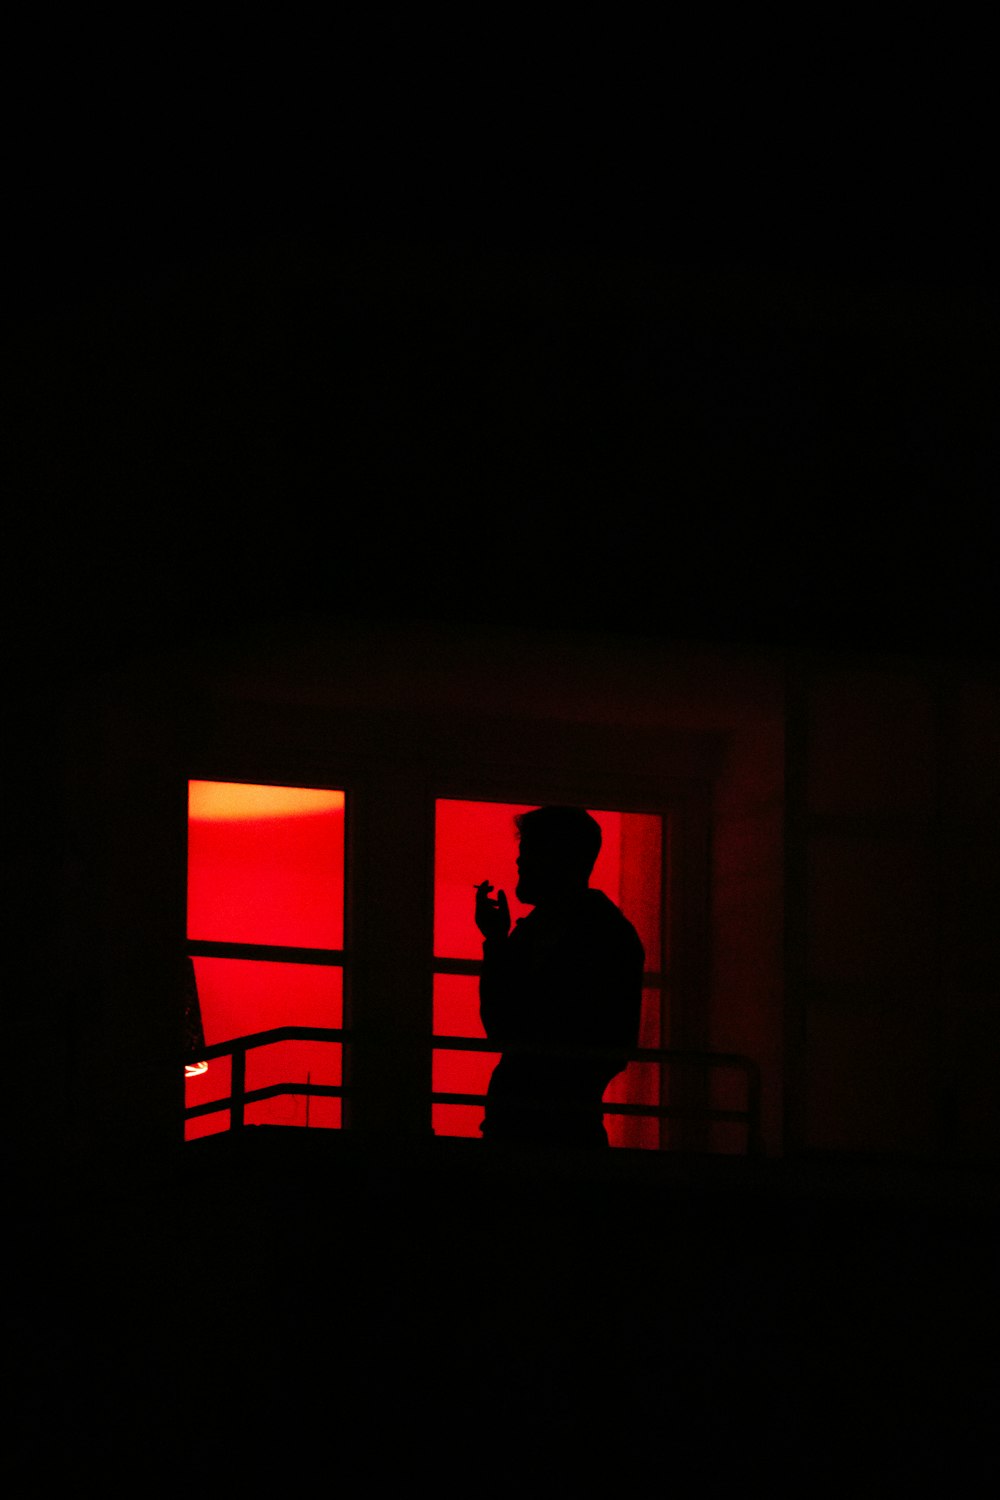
(569, 975)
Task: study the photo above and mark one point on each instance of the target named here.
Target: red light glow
(266, 865)
(239, 801)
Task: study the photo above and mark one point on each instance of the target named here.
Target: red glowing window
(476, 841)
(265, 930)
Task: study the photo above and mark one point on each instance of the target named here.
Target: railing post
(237, 1088)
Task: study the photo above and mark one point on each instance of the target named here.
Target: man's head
(558, 847)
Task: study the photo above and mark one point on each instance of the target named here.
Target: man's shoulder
(599, 907)
(600, 912)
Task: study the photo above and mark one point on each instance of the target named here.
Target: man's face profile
(542, 872)
(526, 876)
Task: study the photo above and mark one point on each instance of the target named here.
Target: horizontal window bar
(207, 948)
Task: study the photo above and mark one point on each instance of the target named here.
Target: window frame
(682, 979)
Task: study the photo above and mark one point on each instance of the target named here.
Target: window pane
(242, 996)
(265, 864)
(457, 1119)
(477, 841)
(474, 841)
(462, 1072)
(456, 1005)
(639, 889)
(294, 1062)
(201, 1125)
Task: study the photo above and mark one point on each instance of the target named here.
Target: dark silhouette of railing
(239, 1096)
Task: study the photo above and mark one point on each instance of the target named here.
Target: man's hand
(492, 916)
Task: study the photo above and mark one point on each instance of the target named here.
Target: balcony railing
(748, 1116)
(240, 1096)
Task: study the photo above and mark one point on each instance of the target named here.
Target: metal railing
(749, 1116)
(239, 1096)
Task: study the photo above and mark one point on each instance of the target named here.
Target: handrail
(265, 1038)
(239, 1097)
(750, 1116)
(238, 1048)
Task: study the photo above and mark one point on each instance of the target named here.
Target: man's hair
(570, 832)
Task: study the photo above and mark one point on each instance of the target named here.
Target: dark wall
(420, 427)
(892, 880)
